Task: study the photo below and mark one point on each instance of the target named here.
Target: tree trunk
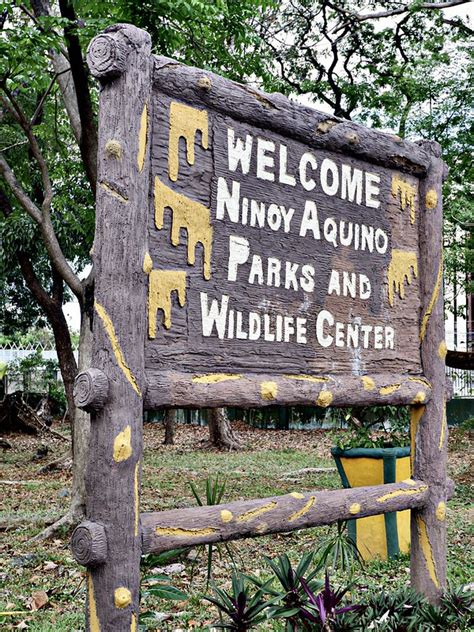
(80, 441)
(66, 360)
(169, 422)
(221, 434)
(81, 427)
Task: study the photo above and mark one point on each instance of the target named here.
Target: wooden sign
(268, 254)
(251, 251)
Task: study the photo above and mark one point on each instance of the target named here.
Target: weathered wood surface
(429, 425)
(176, 528)
(276, 112)
(91, 388)
(258, 390)
(121, 59)
(195, 236)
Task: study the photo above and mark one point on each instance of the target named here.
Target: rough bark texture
(251, 390)
(80, 446)
(221, 434)
(114, 461)
(429, 426)
(203, 525)
(276, 112)
(169, 422)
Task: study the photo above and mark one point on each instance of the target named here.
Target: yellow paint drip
(113, 148)
(407, 194)
(388, 390)
(399, 271)
(147, 263)
(110, 330)
(262, 527)
(133, 623)
(402, 492)
(136, 497)
(268, 390)
(226, 515)
(442, 350)
(409, 481)
(368, 383)
(307, 378)
(178, 532)
(160, 286)
(188, 214)
(304, 510)
(354, 509)
(185, 121)
(122, 597)
(94, 624)
(419, 398)
(142, 138)
(113, 192)
(427, 550)
(254, 513)
(441, 511)
(123, 445)
(215, 378)
(324, 399)
(434, 297)
(297, 495)
(431, 199)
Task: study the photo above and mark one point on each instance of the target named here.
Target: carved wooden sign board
(251, 251)
(269, 255)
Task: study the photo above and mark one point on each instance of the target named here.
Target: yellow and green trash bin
(386, 535)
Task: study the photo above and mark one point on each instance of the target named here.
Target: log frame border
(121, 59)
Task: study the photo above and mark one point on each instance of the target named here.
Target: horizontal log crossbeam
(169, 389)
(165, 530)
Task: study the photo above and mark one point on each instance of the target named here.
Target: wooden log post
(109, 543)
(429, 426)
(204, 525)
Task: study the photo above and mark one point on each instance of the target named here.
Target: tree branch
(400, 10)
(88, 141)
(44, 222)
(61, 65)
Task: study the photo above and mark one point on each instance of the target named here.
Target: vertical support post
(428, 427)
(121, 59)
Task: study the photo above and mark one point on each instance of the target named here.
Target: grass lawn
(269, 465)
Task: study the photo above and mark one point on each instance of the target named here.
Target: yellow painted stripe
(420, 380)
(254, 513)
(215, 378)
(142, 138)
(94, 625)
(429, 309)
(402, 492)
(110, 330)
(303, 510)
(444, 423)
(388, 390)
(179, 532)
(427, 550)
